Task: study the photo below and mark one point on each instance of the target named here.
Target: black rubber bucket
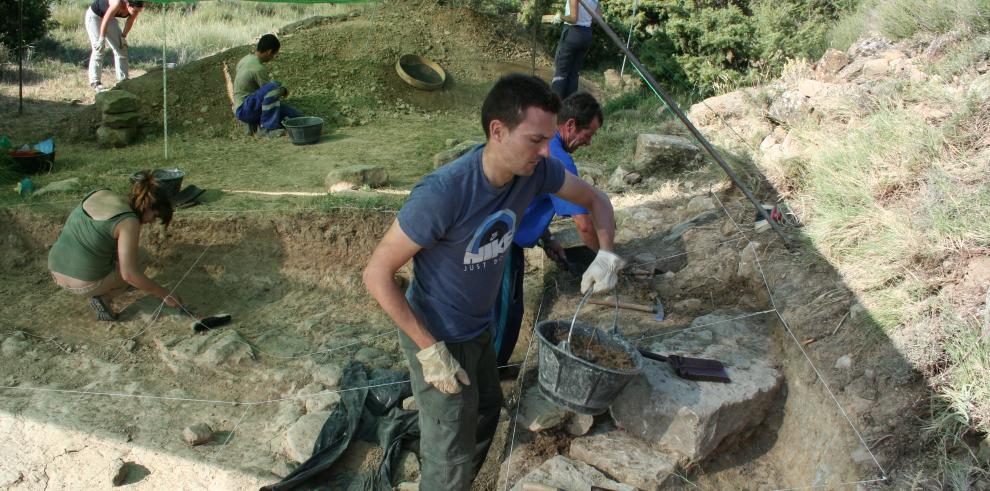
(169, 179)
(33, 162)
(304, 130)
(577, 384)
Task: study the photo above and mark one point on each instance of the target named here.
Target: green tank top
(86, 249)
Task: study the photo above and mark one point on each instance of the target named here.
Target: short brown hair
(512, 95)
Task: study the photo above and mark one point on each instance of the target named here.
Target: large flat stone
(301, 437)
(564, 473)
(692, 418)
(663, 153)
(627, 458)
(117, 101)
(356, 177)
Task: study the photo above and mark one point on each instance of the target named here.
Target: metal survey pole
(20, 58)
(684, 119)
(632, 28)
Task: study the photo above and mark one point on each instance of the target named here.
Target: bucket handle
(584, 300)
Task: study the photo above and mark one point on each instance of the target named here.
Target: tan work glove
(441, 370)
(603, 273)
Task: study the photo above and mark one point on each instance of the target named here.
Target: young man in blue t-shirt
(579, 118)
(457, 226)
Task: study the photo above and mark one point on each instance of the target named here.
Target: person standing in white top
(102, 27)
(573, 46)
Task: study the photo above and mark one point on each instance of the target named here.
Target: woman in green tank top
(97, 253)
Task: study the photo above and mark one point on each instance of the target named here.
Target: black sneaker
(103, 312)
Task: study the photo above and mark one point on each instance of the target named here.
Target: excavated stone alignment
(264, 384)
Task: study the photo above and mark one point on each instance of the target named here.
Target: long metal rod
(165, 77)
(635, 22)
(20, 58)
(684, 119)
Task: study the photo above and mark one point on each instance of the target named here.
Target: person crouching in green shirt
(258, 98)
(97, 253)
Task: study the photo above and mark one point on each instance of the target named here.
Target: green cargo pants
(456, 430)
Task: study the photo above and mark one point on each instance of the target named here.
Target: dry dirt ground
(292, 283)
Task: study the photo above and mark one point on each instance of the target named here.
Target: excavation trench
(84, 392)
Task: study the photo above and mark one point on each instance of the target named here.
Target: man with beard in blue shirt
(457, 226)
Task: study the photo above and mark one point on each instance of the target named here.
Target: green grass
(887, 201)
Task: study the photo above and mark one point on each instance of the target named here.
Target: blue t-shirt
(542, 209)
(465, 227)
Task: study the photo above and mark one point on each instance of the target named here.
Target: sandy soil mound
(342, 68)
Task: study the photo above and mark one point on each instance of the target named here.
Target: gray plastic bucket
(304, 130)
(577, 384)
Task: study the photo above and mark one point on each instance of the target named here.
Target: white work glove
(101, 43)
(441, 370)
(603, 272)
(556, 19)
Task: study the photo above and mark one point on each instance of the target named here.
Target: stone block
(301, 436)
(660, 153)
(692, 418)
(627, 458)
(563, 473)
(117, 101)
(356, 177)
(115, 137)
(197, 434)
(830, 63)
(122, 120)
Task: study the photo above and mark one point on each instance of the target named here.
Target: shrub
(707, 47)
(35, 22)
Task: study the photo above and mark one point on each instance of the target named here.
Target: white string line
(519, 388)
(797, 343)
(820, 486)
(655, 261)
(196, 400)
(665, 333)
(208, 211)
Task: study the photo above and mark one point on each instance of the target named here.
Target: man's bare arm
(395, 250)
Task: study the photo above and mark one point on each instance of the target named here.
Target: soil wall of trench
(293, 282)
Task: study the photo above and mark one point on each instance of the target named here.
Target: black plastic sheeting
(370, 414)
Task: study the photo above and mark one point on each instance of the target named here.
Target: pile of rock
(660, 424)
(120, 118)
